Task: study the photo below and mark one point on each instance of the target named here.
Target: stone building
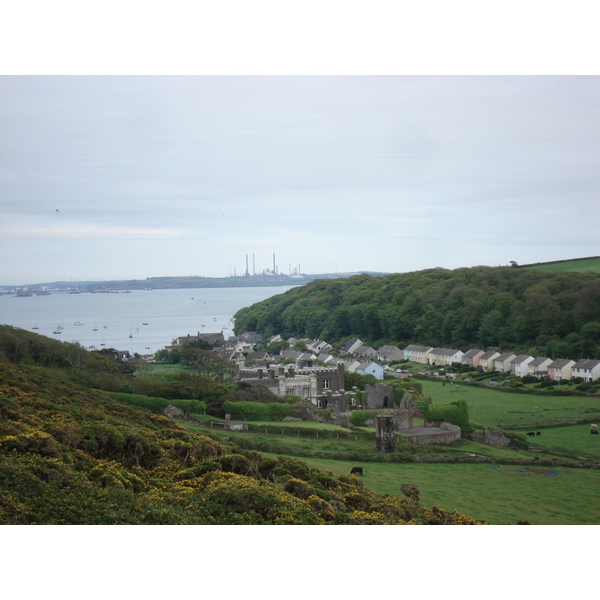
(323, 387)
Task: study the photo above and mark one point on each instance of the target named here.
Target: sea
(139, 321)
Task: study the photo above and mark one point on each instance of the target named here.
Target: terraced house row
(506, 362)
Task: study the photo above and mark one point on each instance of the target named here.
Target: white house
(587, 369)
(444, 356)
(519, 365)
(539, 366)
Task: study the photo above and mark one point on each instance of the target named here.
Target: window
(325, 384)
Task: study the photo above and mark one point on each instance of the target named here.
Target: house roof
(559, 363)
(349, 343)
(472, 353)
(505, 356)
(586, 363)
(540, 360)
(414, 348)
(487, 355)
(519, 359)
(445, 351)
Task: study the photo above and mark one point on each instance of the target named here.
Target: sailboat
(95, 326)
(131, 332)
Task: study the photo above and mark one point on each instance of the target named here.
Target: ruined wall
(385, 440)
(403, 419)
(494, 438)
(450, 433)
(379, 396)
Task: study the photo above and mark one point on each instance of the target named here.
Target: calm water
(169, 314)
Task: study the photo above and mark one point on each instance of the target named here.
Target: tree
(206, 362)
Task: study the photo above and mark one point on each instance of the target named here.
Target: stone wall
(450, 433)
(494, 437)
(379, 396)
(386, 435)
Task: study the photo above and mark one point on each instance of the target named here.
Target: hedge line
(256, 411)
(158, 405)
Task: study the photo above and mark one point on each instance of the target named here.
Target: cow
(357, 471)
(531, 433)
(594, 432)
(594, 426)
(538, 433)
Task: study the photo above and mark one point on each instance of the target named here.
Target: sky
(128, 177)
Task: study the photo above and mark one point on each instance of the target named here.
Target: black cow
(594, 432)
(538, 433)
(531, 433)
(357, 471)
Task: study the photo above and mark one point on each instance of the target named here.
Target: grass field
(498, 495)
(576, 266)
(496, 408)
(486, 491)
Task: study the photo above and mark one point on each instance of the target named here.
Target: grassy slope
(576, 266)
(500, 495)
(495, 408)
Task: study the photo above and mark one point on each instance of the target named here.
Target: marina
(163, 314)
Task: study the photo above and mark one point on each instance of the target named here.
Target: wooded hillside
(480, 306)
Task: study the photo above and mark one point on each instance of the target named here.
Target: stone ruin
(385, 440)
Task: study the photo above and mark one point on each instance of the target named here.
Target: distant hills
(182, 282)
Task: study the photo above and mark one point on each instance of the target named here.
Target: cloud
(86, 230)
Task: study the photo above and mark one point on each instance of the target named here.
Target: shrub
(359, 417)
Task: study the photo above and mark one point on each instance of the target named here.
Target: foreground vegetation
(70, 455)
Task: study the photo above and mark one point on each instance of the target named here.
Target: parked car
(467, 380)
(494, 383)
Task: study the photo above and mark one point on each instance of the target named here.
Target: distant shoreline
(167, 283)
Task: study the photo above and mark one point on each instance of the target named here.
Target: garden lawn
(498, 495)
(497, 408)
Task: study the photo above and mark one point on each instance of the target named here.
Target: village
(313, 371)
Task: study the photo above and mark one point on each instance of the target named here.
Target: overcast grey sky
(172, 175)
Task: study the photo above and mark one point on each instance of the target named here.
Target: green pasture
(289, 425)
(498, 495)
(576, 266)
(573, 438)
(497, 408)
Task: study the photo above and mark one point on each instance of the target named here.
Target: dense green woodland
(512, 308)
(70, 454)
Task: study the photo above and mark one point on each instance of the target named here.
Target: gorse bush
(74, 456)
